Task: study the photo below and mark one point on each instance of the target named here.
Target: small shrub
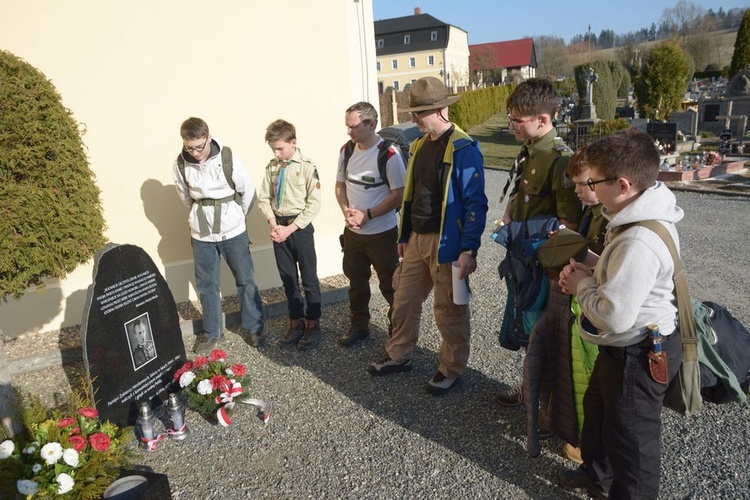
(50, 214)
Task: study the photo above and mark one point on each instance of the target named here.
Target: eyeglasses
(592, 183)
(420, 114)
(518, 123)
(196, 149)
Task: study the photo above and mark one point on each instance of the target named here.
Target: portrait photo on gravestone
(131, 333)
(141, 341)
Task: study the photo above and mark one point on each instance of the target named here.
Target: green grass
(499, 146)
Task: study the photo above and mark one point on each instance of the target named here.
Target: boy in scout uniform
(289, 199)
(539, 179)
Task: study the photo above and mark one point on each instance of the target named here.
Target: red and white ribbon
(227, 392)
(151, 444)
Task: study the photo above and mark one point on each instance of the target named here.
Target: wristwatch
(473, 253)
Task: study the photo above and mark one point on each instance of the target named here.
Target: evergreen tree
(51, 213)
(662, 81)
(741, 55)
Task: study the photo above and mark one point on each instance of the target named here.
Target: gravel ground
(337, 432)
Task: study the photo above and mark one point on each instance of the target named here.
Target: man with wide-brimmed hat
(442, 219)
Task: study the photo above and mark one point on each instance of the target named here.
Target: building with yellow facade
(410, 47)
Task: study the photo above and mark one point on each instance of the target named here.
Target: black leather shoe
(353, 336)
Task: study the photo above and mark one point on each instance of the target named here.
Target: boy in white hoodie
(629, 289)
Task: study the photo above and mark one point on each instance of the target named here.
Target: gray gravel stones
(337, 432)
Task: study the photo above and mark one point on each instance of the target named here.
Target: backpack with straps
(383, 157)
(226, 165)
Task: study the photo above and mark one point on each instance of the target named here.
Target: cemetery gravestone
(131, 333)
(686, 121)
(665, 133)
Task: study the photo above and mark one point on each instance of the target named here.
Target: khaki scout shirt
(300, 192)
(596, 227)
(545, 188)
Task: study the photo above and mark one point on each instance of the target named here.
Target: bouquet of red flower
(76, 455)
(213, 385)
(711, 158)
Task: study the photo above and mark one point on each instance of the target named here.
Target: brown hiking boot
(293, 334)
(311, 336)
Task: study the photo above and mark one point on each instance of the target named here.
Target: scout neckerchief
(515, 171)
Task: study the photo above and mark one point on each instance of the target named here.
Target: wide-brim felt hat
(428, 93)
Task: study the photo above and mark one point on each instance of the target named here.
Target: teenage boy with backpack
(630, 289)
(369, 188)
(213, 182)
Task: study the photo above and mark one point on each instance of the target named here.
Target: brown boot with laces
(311, 336)
(294, 333)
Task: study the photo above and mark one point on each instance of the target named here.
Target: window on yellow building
(396, 85)
(394, 64)
(412, 62)
(430, 60)
(377, 65)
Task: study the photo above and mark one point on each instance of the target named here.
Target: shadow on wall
(31, 312)
(163, 208)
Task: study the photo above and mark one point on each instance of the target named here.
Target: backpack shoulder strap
(383, 160)
(348, 150)
(681, 290)
(226, 165)
(181, 167)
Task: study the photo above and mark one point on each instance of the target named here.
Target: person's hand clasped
(572, 275)
(355, 219)
(279, 233)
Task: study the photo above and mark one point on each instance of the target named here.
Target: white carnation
(36, 468)
(6, 449)
(205, 387)
(65, 483)
(70, 457)
(229, 372)
(52, 452)
(27, 487)
(187, 378)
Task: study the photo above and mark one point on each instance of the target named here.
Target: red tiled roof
(508, 54)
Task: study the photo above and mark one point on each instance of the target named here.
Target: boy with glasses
(219, 200)
(540, 183)
(631, 288)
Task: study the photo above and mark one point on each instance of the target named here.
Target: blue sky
(496, 20)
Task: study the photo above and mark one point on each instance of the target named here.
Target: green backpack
(226, 165)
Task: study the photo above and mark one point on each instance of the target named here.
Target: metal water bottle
(145, 421)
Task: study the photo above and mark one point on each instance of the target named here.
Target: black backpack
(382, 159)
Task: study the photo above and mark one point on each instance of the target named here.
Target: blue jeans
(236, 251)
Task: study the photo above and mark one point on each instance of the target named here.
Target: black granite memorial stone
(665, 133)
(131, 333)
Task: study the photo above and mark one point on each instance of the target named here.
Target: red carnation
(217, 381)
(78, 442)
(217, 355)
(238, 370)
(200, 361)
(88, 412)
(66, 422)
(99, 441)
